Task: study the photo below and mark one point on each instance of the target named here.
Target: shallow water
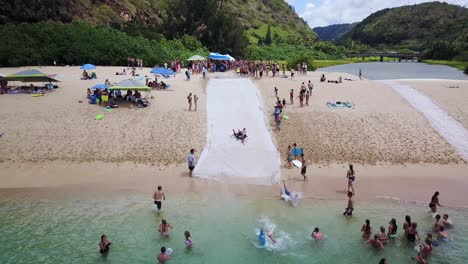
(55, 228)
(399, 70)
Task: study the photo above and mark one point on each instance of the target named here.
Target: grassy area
(456, 64)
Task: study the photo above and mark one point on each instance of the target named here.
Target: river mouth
(398, 70)
(64, 227)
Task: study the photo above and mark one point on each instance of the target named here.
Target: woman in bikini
(392, 228)
(164, 227)
(434, 202)
(351, 177)
(366, 229)
(407, 224)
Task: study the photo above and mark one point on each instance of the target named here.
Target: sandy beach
(55, 142)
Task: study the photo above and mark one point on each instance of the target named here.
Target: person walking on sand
(191, 162)
(276, 91)
(307, 98)
(189, 100)
(278, 122)
(351, 177)
(291, 96)
(304, 167)
(349, 210)
(289, 157)
(310, 85)
(195, 100)
(434, 202)
(158, 196)
(360, 74)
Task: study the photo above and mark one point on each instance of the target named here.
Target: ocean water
(399, 70)
(64, 228)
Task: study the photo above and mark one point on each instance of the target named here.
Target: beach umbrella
(162, 71)
(87, 67)
(99, 86)
(196, 58)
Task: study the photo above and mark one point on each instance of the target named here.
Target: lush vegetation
(439, 30)
(78, 43)
(333, 32)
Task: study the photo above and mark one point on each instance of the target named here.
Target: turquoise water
(399, 70)
(64, 228)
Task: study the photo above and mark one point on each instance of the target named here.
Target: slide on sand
(236, 104)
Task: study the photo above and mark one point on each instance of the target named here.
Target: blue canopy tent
(162, 71)
(99, 86)
(87, 67)
(217, 56)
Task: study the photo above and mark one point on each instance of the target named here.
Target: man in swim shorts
(191, 162)
(304, 167)
(158, 196)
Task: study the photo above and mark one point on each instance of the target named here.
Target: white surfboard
(297, 163)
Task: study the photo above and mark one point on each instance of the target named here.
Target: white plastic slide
(449, 128)
(236, 104)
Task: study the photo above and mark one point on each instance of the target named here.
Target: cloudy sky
(327, 12)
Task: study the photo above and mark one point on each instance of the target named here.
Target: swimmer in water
(286, 191)
(392, 228)
(383, 236)
(104, 245)
(163, 257)
(383, 261)
(188, 239)
(271, 237)
(366, 230)
(412, 233)
(438, 222)
(349, 210)
(442, 234)
(446, 221)
(407, 224)
(376, 242)
(424, 252)
(316, 234)
(164, 227)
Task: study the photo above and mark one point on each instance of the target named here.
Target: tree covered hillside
(439, 29)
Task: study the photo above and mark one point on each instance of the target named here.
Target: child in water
(316, 234)
(188, 239)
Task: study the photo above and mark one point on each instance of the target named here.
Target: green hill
(211, 21)
(333, 32)
(438, 29)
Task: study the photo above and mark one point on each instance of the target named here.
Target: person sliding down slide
(240, 135)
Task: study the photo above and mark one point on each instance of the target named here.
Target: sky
(328, 12)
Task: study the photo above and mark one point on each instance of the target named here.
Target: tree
(268, 36)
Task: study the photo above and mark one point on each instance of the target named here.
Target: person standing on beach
(434, 202)
(158, 196)
(289, 157)
(310, 85)
(284, 102)
(304, 167)
(278, 122)
(189, 100)
(191, 162)
(276, 91)
(351, 177)
(195, 100)
(360, 74)
(291, 96)
(307, 98)
(349, 210)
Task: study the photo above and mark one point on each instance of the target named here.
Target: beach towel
(340, 104)
(296, 151)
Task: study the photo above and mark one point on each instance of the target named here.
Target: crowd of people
(134, 63)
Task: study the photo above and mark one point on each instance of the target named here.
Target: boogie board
(297, 163)
(99, 117)
(37, 95)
